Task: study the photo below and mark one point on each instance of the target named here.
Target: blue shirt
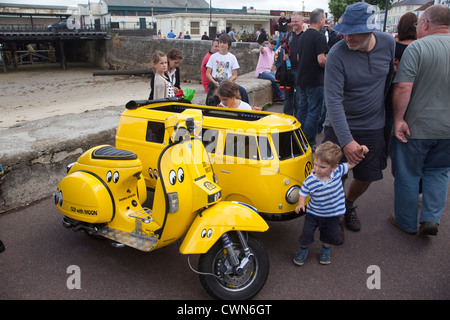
(327, 198)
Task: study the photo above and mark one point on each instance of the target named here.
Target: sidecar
(259, 158)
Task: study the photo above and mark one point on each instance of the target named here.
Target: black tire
(233, 286)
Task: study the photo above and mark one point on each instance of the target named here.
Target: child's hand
(300, 208)
(364, 149)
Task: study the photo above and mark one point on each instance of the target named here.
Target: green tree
(337, 7)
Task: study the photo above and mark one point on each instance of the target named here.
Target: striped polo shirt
(327, 198)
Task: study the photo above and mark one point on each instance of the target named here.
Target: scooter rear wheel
(222, 282)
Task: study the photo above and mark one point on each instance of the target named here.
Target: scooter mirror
(190, 124)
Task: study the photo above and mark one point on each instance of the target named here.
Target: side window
(155, 132)
(209, 138)
(264, 148)
(241, 146)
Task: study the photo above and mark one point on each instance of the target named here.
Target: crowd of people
(379, 94)
(372, 95)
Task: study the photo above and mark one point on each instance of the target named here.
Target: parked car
(64, 25)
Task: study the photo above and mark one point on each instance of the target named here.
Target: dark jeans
(310, 110)
(271, 76)
(291, 97)
(426, 159)
(328, 227)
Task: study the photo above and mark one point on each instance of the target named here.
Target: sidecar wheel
(226, 284)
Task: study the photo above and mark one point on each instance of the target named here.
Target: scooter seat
(111, 153)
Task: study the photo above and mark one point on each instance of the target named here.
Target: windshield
(289, 144)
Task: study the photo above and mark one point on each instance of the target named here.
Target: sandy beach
(41, 91)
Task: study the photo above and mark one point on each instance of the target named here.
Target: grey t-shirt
(355, 84)
(426, 62)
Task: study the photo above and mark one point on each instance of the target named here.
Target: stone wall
(136, 52)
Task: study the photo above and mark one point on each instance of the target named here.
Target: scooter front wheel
(222, 281)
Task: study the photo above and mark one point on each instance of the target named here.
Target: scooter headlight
(58, 197)
(69, 166)
(292, 194)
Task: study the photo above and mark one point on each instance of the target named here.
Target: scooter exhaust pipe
(77, 226)
(68, 223)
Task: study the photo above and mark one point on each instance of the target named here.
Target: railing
(53, 28)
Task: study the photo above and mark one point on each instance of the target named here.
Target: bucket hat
(358, 18)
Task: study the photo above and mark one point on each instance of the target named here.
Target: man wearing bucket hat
(357, 75)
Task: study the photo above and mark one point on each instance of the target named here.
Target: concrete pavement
(378, 263)
(37, 152)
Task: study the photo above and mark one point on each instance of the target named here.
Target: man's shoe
(2, 246)
(300, 256)
(278, 99)
(394, 222)
(351, 219)
(428, 228)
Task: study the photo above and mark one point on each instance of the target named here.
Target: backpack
(283, 75)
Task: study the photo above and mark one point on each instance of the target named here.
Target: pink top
(265, 61)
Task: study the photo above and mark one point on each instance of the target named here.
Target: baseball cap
(358, 18)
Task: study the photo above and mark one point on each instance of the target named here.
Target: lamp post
(385, 15)
(210, 20)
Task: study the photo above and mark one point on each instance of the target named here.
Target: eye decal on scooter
(109, 176)
(180, 174)
(207, 234)
(116, 177)
(172, 177)
(150, 172)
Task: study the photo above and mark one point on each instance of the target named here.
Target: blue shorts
(328, 227)
(372, 166)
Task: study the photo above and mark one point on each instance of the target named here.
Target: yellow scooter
(104, 191)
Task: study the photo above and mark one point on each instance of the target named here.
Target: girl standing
(160, 84)
(174, 58)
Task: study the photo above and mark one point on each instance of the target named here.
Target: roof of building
(158, 3)
(32, 6)
(410, 3)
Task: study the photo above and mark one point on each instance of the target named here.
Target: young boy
(222, 65)
(327, 201)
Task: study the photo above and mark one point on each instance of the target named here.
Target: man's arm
(321, 59)
(210, 77)
(234, 75)
(401, 97)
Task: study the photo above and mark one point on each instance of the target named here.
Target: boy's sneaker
(325, 257)
(351, 219)
(300, 256)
